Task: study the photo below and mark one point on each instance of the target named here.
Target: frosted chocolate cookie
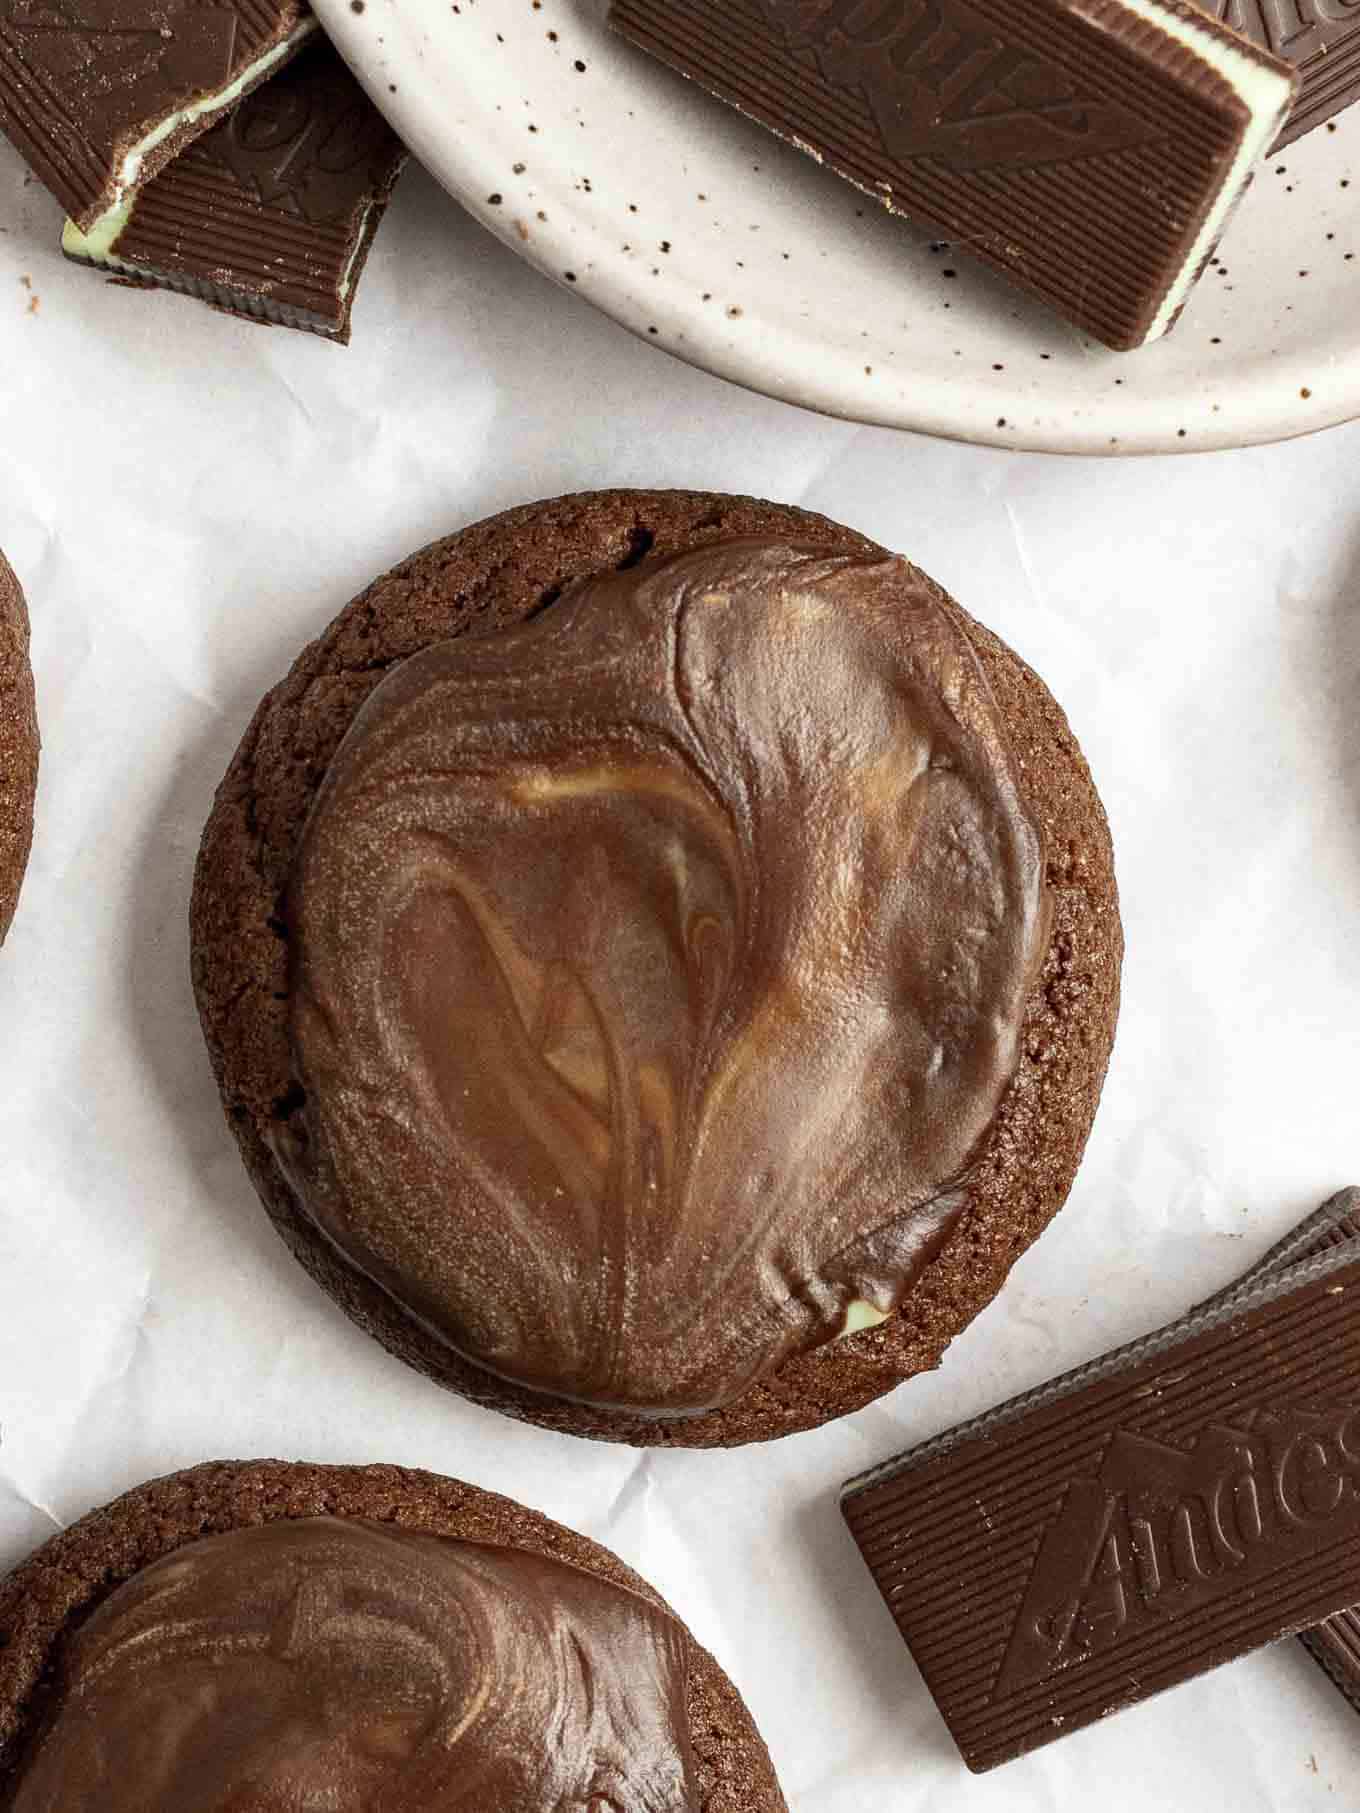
(18, 745)
(276, 1635)
(660, 958)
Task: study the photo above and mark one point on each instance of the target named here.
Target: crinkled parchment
(188, 498)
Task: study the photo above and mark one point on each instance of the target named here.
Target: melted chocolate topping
(659, 968)
(357, 1668)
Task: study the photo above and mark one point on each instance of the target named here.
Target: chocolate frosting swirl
(336, 1666)
(659, 969)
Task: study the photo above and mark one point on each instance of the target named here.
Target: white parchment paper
(188, 499)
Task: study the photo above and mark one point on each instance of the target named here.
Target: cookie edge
(19, 744)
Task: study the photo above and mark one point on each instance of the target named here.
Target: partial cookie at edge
(18, 744)
(492, 574)
(62, 1582)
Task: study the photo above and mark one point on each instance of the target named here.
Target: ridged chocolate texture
(273, 212)
(1335, 1646)
(83, 82)
(658, 972)
(1138, 1521)
(1319, 38)
(18, 744)
(330, 1662)
(1335, 1643)
(1078, 146)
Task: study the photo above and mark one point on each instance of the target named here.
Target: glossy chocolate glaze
(658, 971)
(335, 1664)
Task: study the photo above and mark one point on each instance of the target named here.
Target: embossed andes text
(941, 83)
(1335, 1643)
(1092, 150)
(1190, 1497)
(1320, 38)
(1160, 1531)
(98, 95)
(309, 143)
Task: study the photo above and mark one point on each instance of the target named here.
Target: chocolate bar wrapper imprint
(98, 95)
(1092, 150)
(1319, 38)
(1140, 1520)
(272, 214)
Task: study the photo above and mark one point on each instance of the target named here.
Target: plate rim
(469, 177)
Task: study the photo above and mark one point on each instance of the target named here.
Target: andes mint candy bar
(1335, 1643)
(1138, 1521)
(271, 214)
(98, 95)
(1092, 150)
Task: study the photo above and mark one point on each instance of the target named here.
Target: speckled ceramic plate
(702, 233)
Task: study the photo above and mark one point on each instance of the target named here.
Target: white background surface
(188, 499)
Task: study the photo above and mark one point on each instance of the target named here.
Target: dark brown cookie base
(495, 574)
(18, 745)
(56, 1588)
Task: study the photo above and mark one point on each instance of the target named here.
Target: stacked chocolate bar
(1092, 150)
(220, 150)
(1142, 1519)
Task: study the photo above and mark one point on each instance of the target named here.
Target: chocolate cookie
(18, 745)
(285, 1633)
(660, 957)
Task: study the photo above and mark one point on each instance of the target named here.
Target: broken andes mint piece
(98, 95)
(1134, 1523)
(1092, 150)
(272, 214)
(1319, 38)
